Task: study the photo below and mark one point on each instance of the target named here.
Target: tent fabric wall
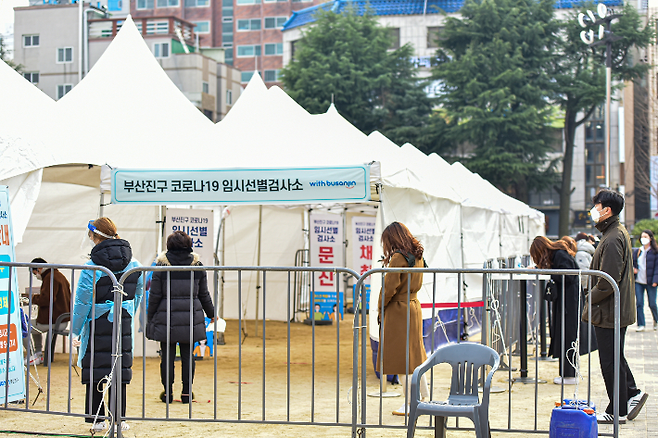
(281, 237)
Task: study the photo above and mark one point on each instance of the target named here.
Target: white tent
(144, 121)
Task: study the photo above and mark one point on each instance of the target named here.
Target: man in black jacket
(613, 256)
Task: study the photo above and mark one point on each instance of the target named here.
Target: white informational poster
(363, 236)
(12, 376)
(327, 237)
(198, 224)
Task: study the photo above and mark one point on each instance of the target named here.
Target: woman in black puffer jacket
(169, 316)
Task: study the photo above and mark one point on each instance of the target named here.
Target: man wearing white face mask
(613, 256)
(61, 299)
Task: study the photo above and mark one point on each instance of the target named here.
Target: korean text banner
(198, 224)
(242, 186)
(12, 377)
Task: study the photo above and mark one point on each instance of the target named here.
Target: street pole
(608, 85)
(80, 13)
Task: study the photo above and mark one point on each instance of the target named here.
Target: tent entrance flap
(261, 186)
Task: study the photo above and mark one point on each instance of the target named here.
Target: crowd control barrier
(294, 397)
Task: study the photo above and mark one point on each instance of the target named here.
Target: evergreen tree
(345, 57)
(579, 76)
(4, 56)
(493, 65)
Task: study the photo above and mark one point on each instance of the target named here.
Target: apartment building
(47, 43)
(248, 30)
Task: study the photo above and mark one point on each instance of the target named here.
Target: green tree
(345, 58)
(579, 75)
(644, 224)
(492, 63)
(4, 56)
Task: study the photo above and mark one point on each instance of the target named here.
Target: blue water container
(574, 420)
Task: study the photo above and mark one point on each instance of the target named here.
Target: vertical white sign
(12, 377)
(326, 252)
(198, 224)
(363, 235)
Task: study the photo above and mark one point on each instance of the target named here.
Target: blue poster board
(325, 307)
(12, 377)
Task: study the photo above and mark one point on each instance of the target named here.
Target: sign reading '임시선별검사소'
(242, 186)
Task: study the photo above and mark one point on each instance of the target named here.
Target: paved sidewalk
(642, 356)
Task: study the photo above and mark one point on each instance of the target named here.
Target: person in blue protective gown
(93, 317)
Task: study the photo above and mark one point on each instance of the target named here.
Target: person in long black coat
(558, 255)
(92, 317)
(171, 297)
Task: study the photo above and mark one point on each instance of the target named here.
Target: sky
(7, 13)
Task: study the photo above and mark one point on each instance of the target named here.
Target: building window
(274, 1)
(229, 97)
(168, 3)
(228, 20)
(248, 51)
(247, 2)
(30, 40)
(245, 76)
(32, 77)
(201, 26)
(274, 49)
(161, 50)
(196, 3)
(205, 88)
(394, 35)
(433, 36)
(144, 4)
(301, 1)
(275, 22)
(64, 55)
(227, 40)
(594, 153)
(63, 89)
(293, 45)
(271, 75)
(228, 56)
(244, 25)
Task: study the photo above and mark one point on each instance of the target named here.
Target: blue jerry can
(573, 420)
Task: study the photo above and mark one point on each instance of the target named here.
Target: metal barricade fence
(363, 418)
(28, 319)
(280, 409)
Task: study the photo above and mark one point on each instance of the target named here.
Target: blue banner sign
(242, 186)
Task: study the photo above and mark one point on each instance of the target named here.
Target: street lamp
(605, 36)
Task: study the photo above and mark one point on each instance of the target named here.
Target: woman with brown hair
(557, 255)
(96, 355)
(401, 250)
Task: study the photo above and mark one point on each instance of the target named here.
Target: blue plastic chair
(466, 359)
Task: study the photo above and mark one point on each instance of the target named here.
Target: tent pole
(260, 228)
(345, 243)
(220, 278)
(101, 205)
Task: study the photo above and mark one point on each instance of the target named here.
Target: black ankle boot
(163, 396)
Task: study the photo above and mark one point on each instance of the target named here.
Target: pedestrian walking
(645, 267)
(613, 256)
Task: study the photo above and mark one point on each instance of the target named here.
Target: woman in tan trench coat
(401, 250)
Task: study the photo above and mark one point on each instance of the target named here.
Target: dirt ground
(316, 394)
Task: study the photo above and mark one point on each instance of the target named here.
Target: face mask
(38, 276)
(595, 214)
(645, 241)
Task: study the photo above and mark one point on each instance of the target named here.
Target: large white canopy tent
(127, 113)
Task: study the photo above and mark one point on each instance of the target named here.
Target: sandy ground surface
(315, 392)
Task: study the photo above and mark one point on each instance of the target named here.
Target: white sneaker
(640, 328)
(401, 411)
(636, 403)
(604, 418)
(36, 359)
(124, 427)
(565, 380)
(98, 427)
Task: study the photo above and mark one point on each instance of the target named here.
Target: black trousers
(187, 366)
(97, 401)
(627, 388)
